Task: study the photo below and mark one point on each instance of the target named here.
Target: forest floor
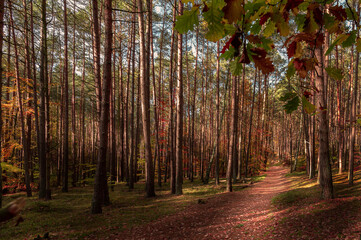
(283, 206)
(279, 205)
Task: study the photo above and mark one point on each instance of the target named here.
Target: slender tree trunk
(339, 120)
(1, 81)
(194, 106)
(179, 134)
(171, 155)
(145, 103)
(101, 193)
(218, 126)
(233, 132)
(250, 126)
(42, 113)
(66, 105)
(132, 142)
(325, 175)
(28, 116)
(353, 121)
(73, 110)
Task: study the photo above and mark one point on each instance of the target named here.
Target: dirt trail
(246, 214)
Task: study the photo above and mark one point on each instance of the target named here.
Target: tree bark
(101, 193)
(145, 104)
(42, 113)
(66, 105)
(325, 174)
(233, 132)
(179, 132)
(1, 81)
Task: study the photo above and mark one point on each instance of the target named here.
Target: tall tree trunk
(1, 81)
(250, 125)
(28, 116)
(339, 120)
(42, 113)
(101, 193)
(179, 131)
(66, 105)
(233, 133)
(194, 106)
(73, 110)
(353, 119)
(325, 174)
(145, 103)
(171, 155)
(218, 126)
(132, 142)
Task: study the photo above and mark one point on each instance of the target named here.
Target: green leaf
(229, 29)
(292, 105)
(351, 14)
(287, 96)
(309, 107)
(256, 28)
(300, 21)
(187, 21)
(358, 45)
(291, 70)
(340, 39)
(329, 21)
(334, 73)
(350, 40)
(292, 101)
(267, 43)
(214, 17)
(218, 4)
(270, 29)
(229, 54)
(235, 67)
(303, 6)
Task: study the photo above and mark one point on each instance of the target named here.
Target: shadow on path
(237, 215)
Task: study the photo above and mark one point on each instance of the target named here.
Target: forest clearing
(180, 119)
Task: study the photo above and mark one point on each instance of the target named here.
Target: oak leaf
(233, 10)
(261, 61)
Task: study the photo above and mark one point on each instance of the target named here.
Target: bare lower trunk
(145, 105)
(325, 175)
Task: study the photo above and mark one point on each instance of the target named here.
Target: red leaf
(264, 18)
(261, 61)
(254, 39)
(291, 50)
(233, 10)
(293, 4)
(298, 63)
(259, 52)
(338, 12)
(307, 94)
(205, 8)
(226, 46)
(318, 15)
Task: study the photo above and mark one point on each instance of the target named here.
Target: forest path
(245, 214)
